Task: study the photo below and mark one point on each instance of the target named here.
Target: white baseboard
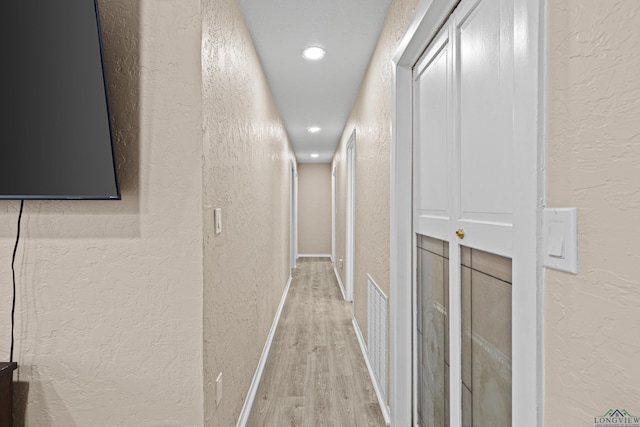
(340, 282)
(314, 255)
(376, 387)
(257, 376)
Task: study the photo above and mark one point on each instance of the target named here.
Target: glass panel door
(433, 332)
(486, 339)
(463, 189)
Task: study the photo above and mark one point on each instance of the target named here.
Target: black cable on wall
(13, 270)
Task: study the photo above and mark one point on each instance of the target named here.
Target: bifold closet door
(462, 195)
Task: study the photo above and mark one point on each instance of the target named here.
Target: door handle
(460, 233)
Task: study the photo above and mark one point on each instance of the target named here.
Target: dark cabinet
(6, 392)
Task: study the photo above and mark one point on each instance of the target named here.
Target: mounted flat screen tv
(55, 132)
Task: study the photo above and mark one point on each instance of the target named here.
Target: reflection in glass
(486, 339)
(433, 332)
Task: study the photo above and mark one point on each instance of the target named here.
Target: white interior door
(293, 214)
(333, 215)
(350, 226)
(462, 203)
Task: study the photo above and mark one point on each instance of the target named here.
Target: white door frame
(527, 297)
(350, 226)
(333, 215)
(293, 212)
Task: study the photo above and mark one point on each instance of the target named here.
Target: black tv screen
(55, 132)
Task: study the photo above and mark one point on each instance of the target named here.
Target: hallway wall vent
(377, 333)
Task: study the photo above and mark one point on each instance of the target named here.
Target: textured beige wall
(371, 118)
(109, 304)
(247, 170)
(314, 208)
(592, 345)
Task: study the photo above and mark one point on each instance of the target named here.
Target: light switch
(560, 228)
(556, 239)
(217, 214)
(219, 389)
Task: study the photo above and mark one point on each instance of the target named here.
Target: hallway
(154, 310)
(315, 373)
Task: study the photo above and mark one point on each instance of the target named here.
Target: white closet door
(462, 195)
(433, 205)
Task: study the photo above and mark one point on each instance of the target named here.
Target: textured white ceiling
(316, 93)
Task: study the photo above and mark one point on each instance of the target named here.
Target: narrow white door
(333, 216)
(293, 216)
(351, 203)
(462, 195)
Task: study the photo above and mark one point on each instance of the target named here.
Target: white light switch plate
(560, 239)
(217, 214)
(219, 389)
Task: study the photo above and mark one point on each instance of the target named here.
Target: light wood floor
(315, 374)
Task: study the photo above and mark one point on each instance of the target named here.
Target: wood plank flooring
(315, 374)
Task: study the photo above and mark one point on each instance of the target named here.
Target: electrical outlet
(219, 389)
(341, 263)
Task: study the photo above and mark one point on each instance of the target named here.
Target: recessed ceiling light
(313, 129)
(313, 53)
(315, 155)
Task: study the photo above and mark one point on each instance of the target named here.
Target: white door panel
(489, 237)
(432, 226)
(432, 89)
(432, 140)
(485, 88)
(462, 188)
